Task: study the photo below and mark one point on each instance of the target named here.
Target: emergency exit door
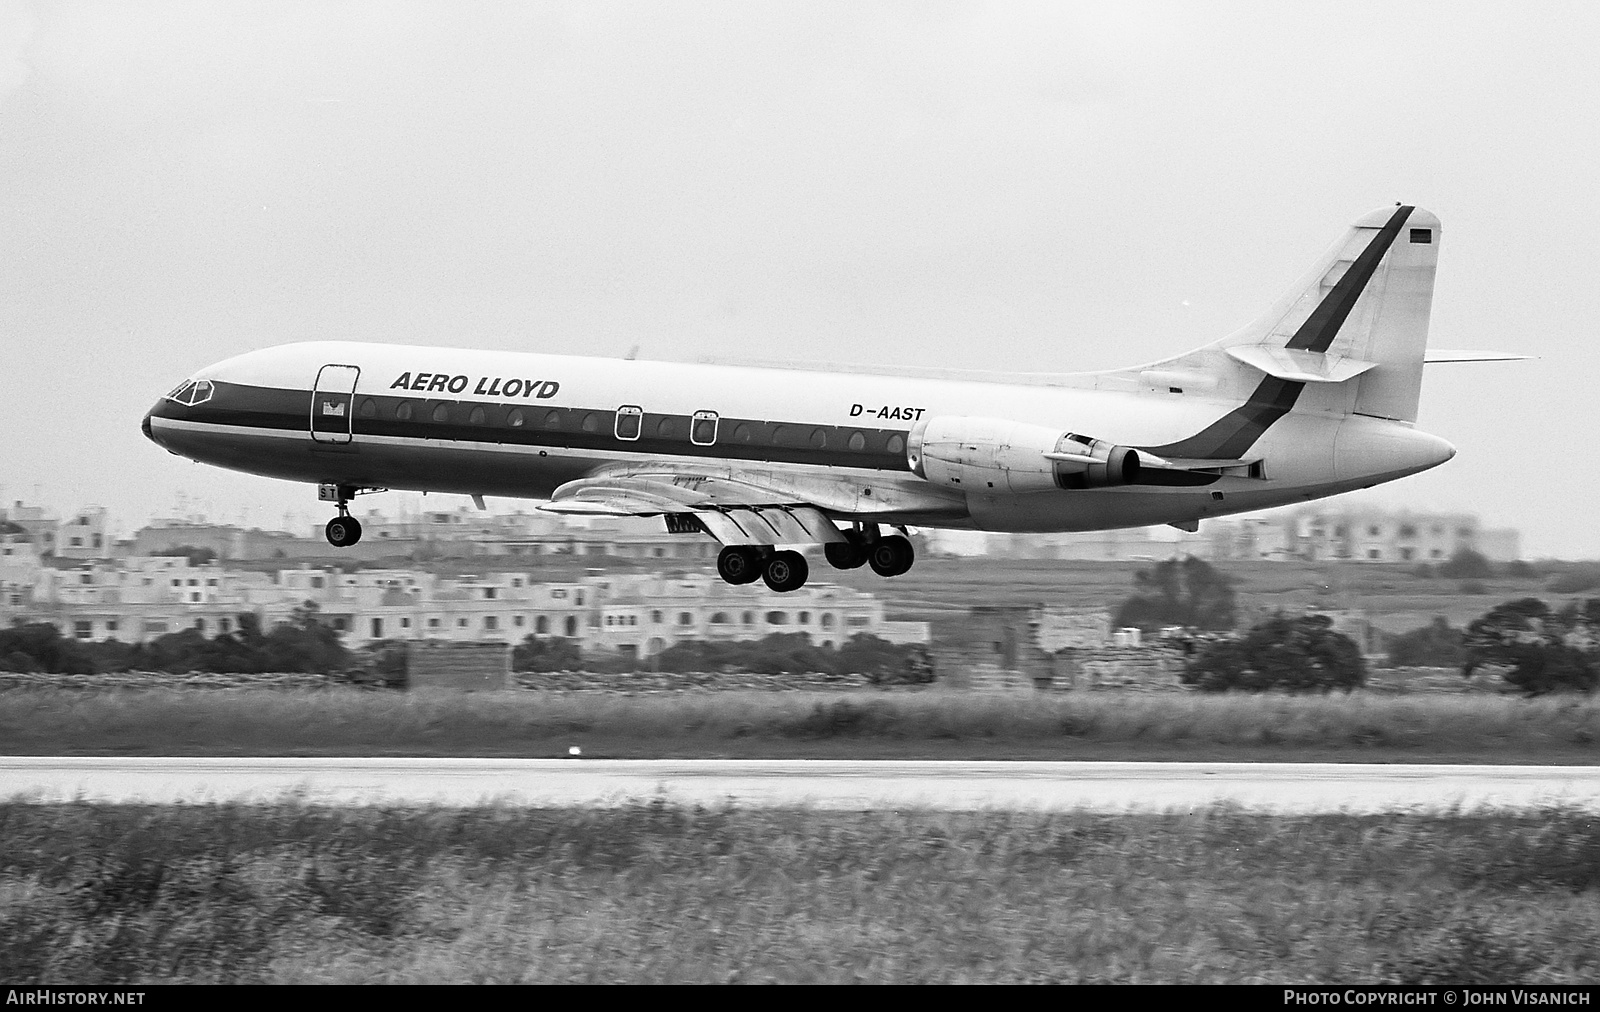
(333, 403)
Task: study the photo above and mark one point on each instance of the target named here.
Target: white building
(139, 599)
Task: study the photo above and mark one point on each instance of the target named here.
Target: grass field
(1395, 597)
(863, 724)
(655, 894)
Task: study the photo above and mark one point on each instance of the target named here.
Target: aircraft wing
(734, 511)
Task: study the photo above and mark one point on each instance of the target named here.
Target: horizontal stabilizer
(1456, 355)
(1300, 366)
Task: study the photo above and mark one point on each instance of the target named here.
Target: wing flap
(734, 512)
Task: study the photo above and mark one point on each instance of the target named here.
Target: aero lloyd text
(487, 386)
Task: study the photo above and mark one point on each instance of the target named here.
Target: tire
(342, 532)
(848, 554)
(891, 556)
(785, 571)
(738, 565)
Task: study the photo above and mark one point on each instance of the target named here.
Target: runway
(830, 784)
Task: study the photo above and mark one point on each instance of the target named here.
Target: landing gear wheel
(739, 564)
(891, 556)
(785, 571)
(848, 554)
(343, 532)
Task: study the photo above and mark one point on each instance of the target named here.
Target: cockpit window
(192, 392)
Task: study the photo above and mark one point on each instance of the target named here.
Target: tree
(303, 643)
(1190, 593)
(1466, 564)
(1300, 654)
(1541, 651)
(1436, 645)
(196, 556)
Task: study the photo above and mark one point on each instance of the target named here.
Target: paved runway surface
(1107, 786)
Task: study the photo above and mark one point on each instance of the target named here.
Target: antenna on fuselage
(632, 354)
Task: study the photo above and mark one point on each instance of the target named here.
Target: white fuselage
(516, 424)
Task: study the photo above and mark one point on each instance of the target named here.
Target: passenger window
(478, 416)
(703, 432)
(819, 439)
(552, 420)
(665, 427)
(896, 444)
(779, 433)
(858, 441)
(591, 422)
(403, 411)
(369, 408)
(629, 419)
(742, 433)
(441, 413)
(515, 419)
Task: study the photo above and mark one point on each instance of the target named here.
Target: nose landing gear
(343, 530)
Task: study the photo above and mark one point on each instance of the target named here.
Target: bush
(39, 646)
(302, 644)
(1575, 580)
(1190, 593)
(551, 654)
(1300, 654)
(1466, 564)
(1436, 645)
(1542, 651)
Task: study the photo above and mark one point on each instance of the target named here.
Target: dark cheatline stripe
(1322, 326)
(1233, 434)
(548, 425)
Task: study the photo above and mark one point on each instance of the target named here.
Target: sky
(1004, 185)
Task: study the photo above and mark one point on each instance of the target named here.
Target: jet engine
(996, 455)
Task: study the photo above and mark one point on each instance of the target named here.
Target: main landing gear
(781, 571)
(343, 530)
(888, 556)
(786, 571)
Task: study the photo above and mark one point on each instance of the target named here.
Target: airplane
(1316, 397)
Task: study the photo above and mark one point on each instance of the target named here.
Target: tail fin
(1359, 321)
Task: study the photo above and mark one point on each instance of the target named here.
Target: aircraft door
(333, 403)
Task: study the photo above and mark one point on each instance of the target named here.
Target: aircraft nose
(144, 426)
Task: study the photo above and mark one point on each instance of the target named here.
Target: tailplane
(1356, 326)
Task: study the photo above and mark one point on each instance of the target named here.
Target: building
(139, 599)
(38, 526)
(1367, 534)
(1336, 533)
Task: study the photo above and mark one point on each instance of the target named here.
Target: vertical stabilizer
(1394, 332)
(1359, 319)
